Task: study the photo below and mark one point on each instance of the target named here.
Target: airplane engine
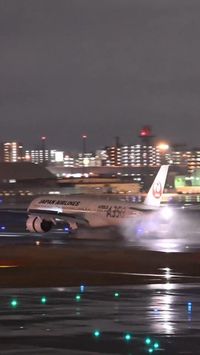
(37, 224)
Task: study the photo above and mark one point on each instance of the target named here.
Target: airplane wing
(70, 216)
(12, 210)
(42, 218)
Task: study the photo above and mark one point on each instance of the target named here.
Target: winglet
(155, 193)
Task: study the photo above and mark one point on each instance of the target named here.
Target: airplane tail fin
(156, 190)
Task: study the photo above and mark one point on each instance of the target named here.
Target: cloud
(69, 66)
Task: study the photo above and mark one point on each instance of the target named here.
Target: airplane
(89, 211)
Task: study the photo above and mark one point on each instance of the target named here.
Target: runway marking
(165, 276)
(13, 234)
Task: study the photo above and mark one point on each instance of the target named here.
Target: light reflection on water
(162, 315)
(158, 310)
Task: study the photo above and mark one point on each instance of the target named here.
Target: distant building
(37, 156)
(193, 160)
(146, 154)
(22, 179)
(69, 161)
(11, 152)
(22, 172)
(143, 154)
(56, 156)
(133, 155)
(114, 156)
(179, 155)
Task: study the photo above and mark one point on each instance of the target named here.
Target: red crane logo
(157, 189)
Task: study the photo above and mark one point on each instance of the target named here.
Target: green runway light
(78, 297)
(127, 337)
(147, 341)
(116, 294)
(96, 333)
(156, 345)
(14, 303)
(150, 350)
(43, 300)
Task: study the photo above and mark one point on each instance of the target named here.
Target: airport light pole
(43, 138)
(84, 138)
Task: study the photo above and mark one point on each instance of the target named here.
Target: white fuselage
(96, 212)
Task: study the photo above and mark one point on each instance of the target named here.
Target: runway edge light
(96, 333)
(156, 345)
(43, 300)
(78, 297)
(148, 341)
(14, 303)
(128, 337)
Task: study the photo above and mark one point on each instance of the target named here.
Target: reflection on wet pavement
(107, 320)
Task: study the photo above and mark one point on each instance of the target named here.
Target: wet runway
(157, 310)
(160, 318)
(93, 240)
(181, 235)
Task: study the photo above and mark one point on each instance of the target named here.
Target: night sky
(101, 67)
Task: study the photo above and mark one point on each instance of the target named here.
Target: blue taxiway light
(82, 288)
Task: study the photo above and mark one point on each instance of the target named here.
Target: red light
(43, 138)
(145, 131)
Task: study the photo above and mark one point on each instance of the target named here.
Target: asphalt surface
(97, 257)
(140, 293)
(160, 318)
